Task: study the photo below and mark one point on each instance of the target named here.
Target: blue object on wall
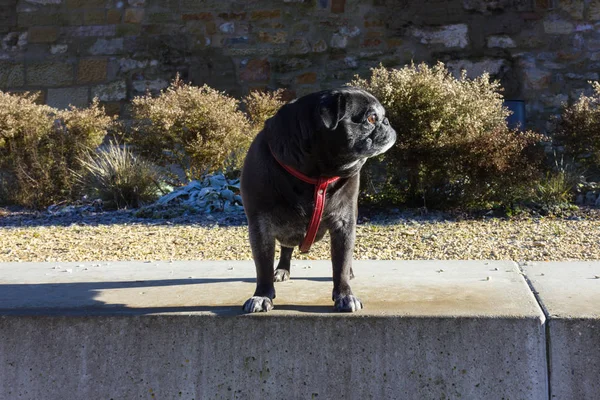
(517, 119)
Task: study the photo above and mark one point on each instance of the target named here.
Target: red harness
(320, 191)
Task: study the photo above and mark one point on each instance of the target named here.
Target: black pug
(323, 138)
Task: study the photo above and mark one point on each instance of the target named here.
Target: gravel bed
(391, 236)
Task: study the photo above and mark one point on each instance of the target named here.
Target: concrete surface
(439, 330)
(570, 294)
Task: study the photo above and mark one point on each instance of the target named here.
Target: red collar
(320, 192)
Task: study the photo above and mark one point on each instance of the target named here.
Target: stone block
(299, 46)
(338, 6)
(107, 47)
(574, 8)
(94, 17)
(449, 36)
(131, 29)
(555, 26)
(41, 18)
(114, 91)
(307, 78)
(338, 41)
(291, 64)
(43, 34)
(477, 68)
(319, 46)
(59, 49)
(62, 98)
(153, 86)
(134, 15)
(501, 41)
(593, 11)
(91, 30)
(85, 3)
(256, 70)
(44, 2)
(485, 6)
(49, 74)
(11, 75)
(203, 16)
(272, 37)
(14, 41)
(233, 16)
(264, 14)
(113, 16)
(92, 70)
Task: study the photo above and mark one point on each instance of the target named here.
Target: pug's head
(356, 122)
(332, 131)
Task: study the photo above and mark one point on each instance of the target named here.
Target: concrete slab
(407, 288)
(430, 329)
(569, 292)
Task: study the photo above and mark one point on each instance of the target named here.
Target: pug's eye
(372, 118)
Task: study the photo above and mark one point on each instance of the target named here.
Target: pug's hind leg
(263, 252)
(282, 273)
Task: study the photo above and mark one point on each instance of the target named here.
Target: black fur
(323, 134)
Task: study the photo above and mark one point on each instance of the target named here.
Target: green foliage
(454, 149)
(198, 129)
(119, 177)
(578, 130)
(40, 146)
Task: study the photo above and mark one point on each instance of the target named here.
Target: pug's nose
(386, 121)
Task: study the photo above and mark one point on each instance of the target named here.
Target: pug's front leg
(262, 243)
(343, 234)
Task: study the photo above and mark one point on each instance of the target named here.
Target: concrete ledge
(430, 329)
(570, 295)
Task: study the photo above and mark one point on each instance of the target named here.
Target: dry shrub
(578, 130)
(260, 106)
(40, 148)
(119, 177)
(454, 149)
(198, 129)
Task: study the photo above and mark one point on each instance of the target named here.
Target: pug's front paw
(281, 275)
(258, 304)
(347, 303)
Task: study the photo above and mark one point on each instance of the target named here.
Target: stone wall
(543, 51)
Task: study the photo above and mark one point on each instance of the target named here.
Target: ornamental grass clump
(197, 129)
(40, 148)
(578, 130)
(119, 177)
(454, 149)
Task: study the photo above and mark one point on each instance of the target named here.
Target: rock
(501, 41)
(156, 85)
(113, 91)
(59, 49)
(557, 26)
(338, 41)
(227, 27)
(299, 46)
(107, 46)
(590, 198)
(449, 35)
(485, 6)
(475, 69)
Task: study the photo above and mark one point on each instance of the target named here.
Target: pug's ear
(332, 110)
